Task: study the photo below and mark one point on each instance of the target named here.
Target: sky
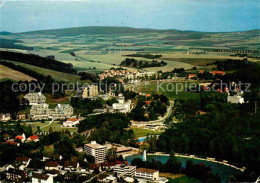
(196, 15)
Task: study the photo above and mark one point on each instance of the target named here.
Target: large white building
(147, 173)
(96, 150)
(122, 106)
(124, 170)
(35, 98)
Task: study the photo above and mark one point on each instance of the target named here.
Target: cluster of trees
(173, 165)
(230, 64)
(109, 127)
(90, 76)
(131, 62)
(11, 43)
(149, 108)
(39, 61)
(86, 106)
(147, 55)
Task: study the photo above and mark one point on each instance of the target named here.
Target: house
(23, 160)
(16, 175)
(5, 117)
(192, 76)
(33, 138)
(126, 170)
(110, 178)
(71, 122)
(21, 138)
(41, 178)
(21, 116)
(147, 173)
(236, 99)
(35, 98)
(222, 73)
(94, 166)
(71, 165)
(52, 165)
(96, 150)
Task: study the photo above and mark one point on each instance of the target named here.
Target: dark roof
(92, 166)
(40, 176)
(15, 171)
(146, 170)
(68, 164)
(52, 164)
(21, 159)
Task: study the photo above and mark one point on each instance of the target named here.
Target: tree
(48, 152)
(50, 130)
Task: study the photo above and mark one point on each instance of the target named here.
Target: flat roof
(95, 146)
(146, 170)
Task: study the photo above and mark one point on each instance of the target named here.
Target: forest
(131, 62)
(39, 61)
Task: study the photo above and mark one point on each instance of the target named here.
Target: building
(16, 175)
(147, 173)
(222, 73)
(33, 138)
(35, 98)
(71, 122)
(122, 106)
(21, 138)
(52, 165)
(41, 178)
(89, 91)
(42, 111)
(192, 76)
(61, 111)
(96, 150)
(39, 111)
(23, 161)
(125, 170)
(71, 165)
(236, 99)
(5, 117)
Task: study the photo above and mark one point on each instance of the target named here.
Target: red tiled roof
(218, 72)
(11, 142)
(21, 159)
(192, 75)
(19, 137)
(34, 137)
(147, 95)
(52, 164)
(72, 119)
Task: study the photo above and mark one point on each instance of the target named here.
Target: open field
(95, 49)
(173, 90)
(140, 132)
(56, 126)
(59, 76)
(6, 72)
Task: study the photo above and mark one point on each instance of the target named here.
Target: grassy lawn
(56, 126)
(140, 132)
(184, 179)
(176, 90)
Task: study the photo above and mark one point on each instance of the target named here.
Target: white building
(147, 173)
(122, 106)
(96, 150)
(5, 117)
(39, 111)
(236, 99)
(41, 178)
(35, 98)
(71, 122)
(124, 170)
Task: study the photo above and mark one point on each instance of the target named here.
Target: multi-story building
(96, 150)
(124, 170)
(90, 91)
(16, 175)
(39, 111)
(41, 178)
(61, 111)
(35, 98)
(42, 111)
(147, 173)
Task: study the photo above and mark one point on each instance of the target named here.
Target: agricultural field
(173, 90)
(8, 73)
(95, 49)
